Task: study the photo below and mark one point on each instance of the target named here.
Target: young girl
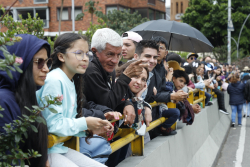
(20, 91)
(70, 60)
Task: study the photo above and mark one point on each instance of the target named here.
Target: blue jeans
(172, 114)
(208, 96)
(246, 108)
(238, 109)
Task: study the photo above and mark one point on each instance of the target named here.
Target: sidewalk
(236, 151)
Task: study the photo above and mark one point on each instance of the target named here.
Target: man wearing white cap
(130, 40)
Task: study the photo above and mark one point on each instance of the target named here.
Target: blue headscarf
(26, 49)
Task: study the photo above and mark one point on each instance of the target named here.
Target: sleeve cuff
(81, 124)
(125, 78)
(81, 134)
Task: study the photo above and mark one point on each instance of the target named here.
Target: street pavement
(236, 150)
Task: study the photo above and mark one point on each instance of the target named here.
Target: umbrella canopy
(181, 36)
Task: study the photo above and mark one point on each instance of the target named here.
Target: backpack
(98, 148)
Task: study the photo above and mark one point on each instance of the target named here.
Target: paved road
(236, 151)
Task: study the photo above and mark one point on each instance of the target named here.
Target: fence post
(191, 97)
(137, 146)
(202, 95)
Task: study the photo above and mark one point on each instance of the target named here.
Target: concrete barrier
(197, 145)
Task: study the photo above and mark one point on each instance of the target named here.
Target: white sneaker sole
(224, 112)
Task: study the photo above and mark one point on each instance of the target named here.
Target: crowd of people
(113, 76)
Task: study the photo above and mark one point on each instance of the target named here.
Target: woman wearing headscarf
(21, 91)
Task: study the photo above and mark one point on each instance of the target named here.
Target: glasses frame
(45, 61)
(83, 55)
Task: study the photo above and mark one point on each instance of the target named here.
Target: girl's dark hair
(179, 74)
(194, 69)
(122, 68)
(62, 43)
(25, 95)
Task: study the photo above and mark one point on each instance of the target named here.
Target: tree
(93, 27)
(122, 21)
(211, 20)
(91, 8)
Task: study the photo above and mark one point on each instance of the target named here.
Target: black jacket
(100, 86)
(158, 81)
(95, 110)
(247, 91)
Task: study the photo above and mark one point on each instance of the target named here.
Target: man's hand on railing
(112, 115)
(98, 126)
(180, 95)
(148, 116)
(196, 108)
(129, 115)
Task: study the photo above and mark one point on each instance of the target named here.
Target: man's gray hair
(103, 36)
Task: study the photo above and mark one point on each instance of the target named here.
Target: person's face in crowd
(149, 55)
(214, 60)
(217, 72)
(199, 70)
(191, 59)
(138, 83)
(207, 59)
(71, 65)
(109, 57)
(128, 49)
(230, 68)
(39, 75)
(218, 78)
(166, 65)
(162, 52)
(179, 83)
(219, 69)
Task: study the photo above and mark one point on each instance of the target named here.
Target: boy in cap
(192, 57)
(130, 40)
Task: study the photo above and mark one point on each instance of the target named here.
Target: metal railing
(128, 134)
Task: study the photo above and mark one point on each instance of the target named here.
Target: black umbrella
(181, 36)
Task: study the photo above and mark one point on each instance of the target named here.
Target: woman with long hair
(236, 97)
(20, 91)
(70, 60)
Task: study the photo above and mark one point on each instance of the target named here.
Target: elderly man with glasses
(192, 57)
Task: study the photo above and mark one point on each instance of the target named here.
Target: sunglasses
(193, 58)
(40, 62)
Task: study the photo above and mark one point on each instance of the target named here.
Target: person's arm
(96, 89)
(199, 85)
(62, 123)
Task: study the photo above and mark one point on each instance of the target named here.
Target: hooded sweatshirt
(26, 49)
(236, 92)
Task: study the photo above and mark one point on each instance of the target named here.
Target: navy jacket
(25, 49)
(236, 92)
(247, 91)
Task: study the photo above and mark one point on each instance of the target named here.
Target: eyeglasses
(80, 55)
(162, 48)
(193, 58)
(40, 62)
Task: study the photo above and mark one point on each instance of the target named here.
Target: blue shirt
(64, 122)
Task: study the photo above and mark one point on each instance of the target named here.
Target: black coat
(236, 92)
(95, 110)
(247, 91)
(100, 86)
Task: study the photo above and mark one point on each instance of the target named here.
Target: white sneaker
(224, 112)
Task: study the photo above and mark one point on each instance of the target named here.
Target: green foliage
(122, 21)
(93, 27)
(183, 54)
(31, 25)
(211, 20)
(16, 132)
(52, 43)
(91, 7)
